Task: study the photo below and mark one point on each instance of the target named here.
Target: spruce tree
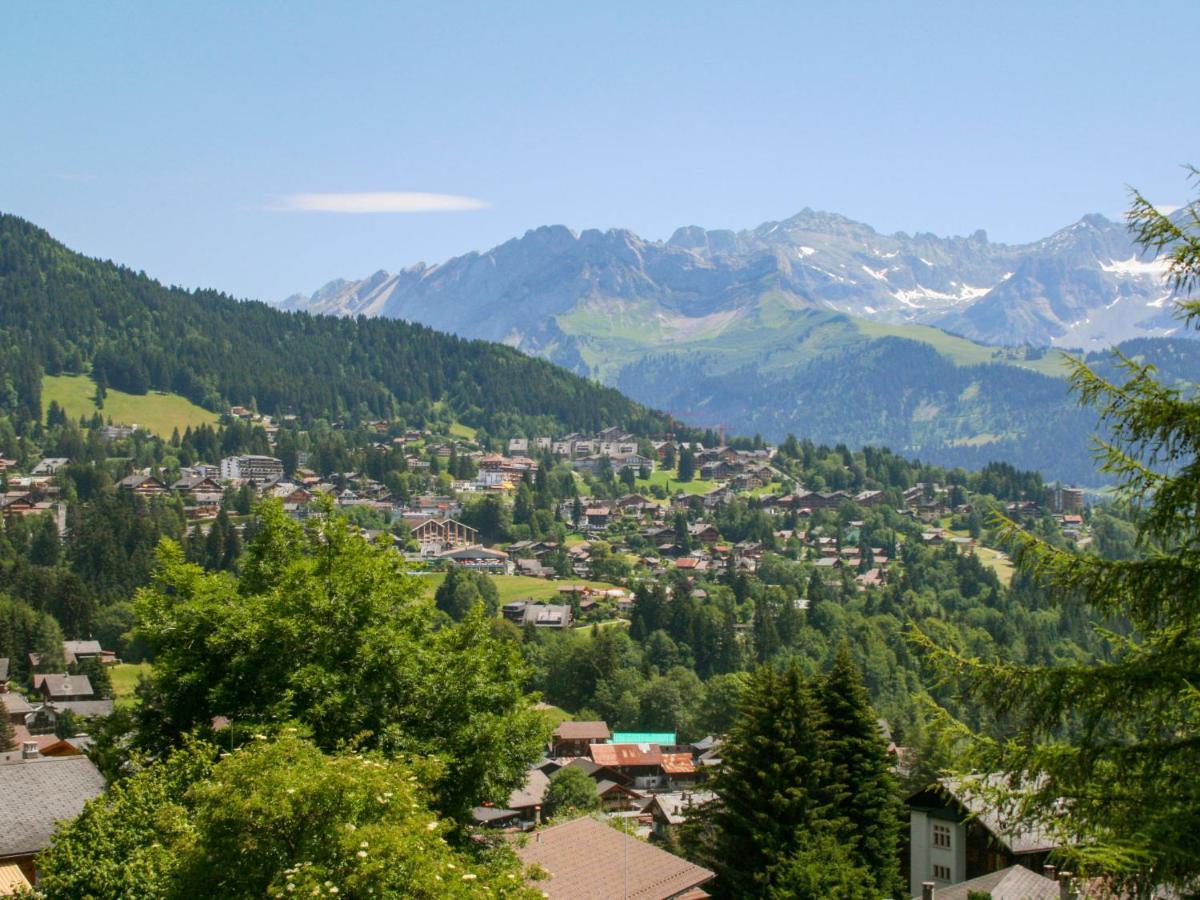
(774, 789)
(869, 797)
(1115, 743)
(687, 465)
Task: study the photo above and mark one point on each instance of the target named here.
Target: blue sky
(177, 138)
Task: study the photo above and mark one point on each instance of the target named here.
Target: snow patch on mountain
(1084, 284)
(1134, 267)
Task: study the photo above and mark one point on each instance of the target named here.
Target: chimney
(1048, 871)
(29, 750)
(1064, 886)
(927, 890)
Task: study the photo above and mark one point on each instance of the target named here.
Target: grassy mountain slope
(61, 312)
(774, 332)
(156, 411)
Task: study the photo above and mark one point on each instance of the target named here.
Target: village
(634, 512)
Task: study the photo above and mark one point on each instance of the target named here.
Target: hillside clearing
(962, 351)
(157, 412)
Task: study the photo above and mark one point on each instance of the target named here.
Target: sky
(267, 148)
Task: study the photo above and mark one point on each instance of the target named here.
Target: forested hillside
(62, 312)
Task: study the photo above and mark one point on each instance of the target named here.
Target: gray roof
(532, 794)
(982, 798)
(67, 686)
(1013, 883)
(676, 805)
(85, 708)
(84, 647)
(37, 793)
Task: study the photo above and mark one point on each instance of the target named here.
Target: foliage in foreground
(325, 629)
(1116, 743)
(273, 818)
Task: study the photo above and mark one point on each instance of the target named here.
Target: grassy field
(521, 587)
(124, 679)
(459, 430)
(998, 562)
(668, 480)
(159, 413)
(608, 623)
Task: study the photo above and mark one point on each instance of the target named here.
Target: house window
(941, 873)
(941, 836)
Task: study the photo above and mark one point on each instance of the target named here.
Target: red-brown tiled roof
(626, 754)
(678, 764)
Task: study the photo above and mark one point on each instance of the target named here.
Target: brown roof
(626, 754)
(582, 731)
(587, 859)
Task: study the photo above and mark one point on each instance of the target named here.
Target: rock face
(1084, 286)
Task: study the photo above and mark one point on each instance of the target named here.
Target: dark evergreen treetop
(871, 804)
(775, 788)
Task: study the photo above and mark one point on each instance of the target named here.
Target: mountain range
(816, 325)
(1086, 286)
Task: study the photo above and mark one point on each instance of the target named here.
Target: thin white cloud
(380, 202)
(1165, 209)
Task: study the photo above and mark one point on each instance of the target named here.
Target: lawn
(607, 623)
(669, 481)
(459, 430)
(157, 412)
(521, 587)
(124, 679)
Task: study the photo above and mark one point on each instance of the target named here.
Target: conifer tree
(683, 537)
(870, 798)
(773, 792)
(687, 465)
(1115, 743)
(8, 738)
